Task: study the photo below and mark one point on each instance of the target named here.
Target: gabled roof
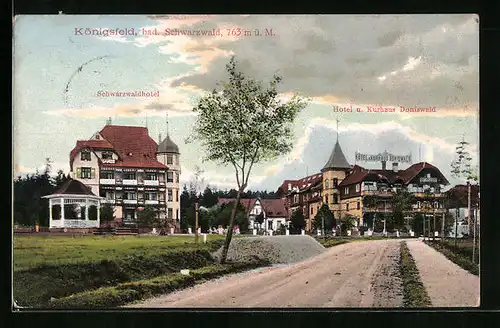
(133, 145)
(337, 159)
(92, 144)
(248, 203)
(274, 207)
(359, 174)
(73, 187)
(459, 194)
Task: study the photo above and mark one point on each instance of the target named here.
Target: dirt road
(359, 274)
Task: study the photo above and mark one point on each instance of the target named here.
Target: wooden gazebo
(74, 205)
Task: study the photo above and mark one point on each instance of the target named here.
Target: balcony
(429, 210)
(130, 201)
(377, 210)
(108, 201)
(380, 193)
(420, 194)
(151, 182)
(151, 202)
(130, 182)
(107, 181)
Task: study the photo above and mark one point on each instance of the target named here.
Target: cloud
(426, 54)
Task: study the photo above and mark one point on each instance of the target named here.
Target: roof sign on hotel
(383, 157)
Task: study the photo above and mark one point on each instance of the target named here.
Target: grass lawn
(31, 251)
(53, 267)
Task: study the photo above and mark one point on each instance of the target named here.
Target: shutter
(93, 174)
(78, 173)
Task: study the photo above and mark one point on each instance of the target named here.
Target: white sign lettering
(384, 157)
(428, 179)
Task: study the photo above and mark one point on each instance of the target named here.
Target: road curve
(358, 274)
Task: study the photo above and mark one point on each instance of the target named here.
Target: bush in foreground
(129, 292)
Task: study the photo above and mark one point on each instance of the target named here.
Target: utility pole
(196, 221)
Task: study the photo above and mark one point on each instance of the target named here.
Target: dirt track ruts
(348, 275)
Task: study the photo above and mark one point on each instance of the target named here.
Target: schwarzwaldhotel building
(130, 170)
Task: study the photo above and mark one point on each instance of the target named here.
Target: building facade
(364, 193)
(273, 211)
(126, 167)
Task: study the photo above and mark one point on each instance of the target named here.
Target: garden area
(62, 271)
(462, 255)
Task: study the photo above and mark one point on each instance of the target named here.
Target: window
(346, 190)
(418, 204)
(86, 173)
(151, 176)
(177, 214)
(128, 175)
(170, 213)
(347, 206)
(56, 212)
(107, 175)
(85, 155)
(177, 194)
(358, 206)
(312, 208)
(110, 195)
(107, 155)
(151, 196)
(326, 183)
(176, 177)
(82, 212)
(130, 195)
(170, 159)
(170, 195)
(358, 187)
(335, 182)
(170, 176)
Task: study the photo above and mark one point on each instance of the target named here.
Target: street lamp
(385, 216)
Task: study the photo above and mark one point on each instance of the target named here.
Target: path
(447, 284)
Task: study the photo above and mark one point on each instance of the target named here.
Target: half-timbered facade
(126, 167)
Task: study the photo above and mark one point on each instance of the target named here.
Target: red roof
(359, 174)
(459, 194)
(133, 145)
(248, 203)
(93, 144)
(274, 207)
(303, 183)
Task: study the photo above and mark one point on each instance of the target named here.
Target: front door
(129, 216)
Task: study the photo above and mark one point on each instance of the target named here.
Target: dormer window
(85, 155)
(107, 155)
(97, 137)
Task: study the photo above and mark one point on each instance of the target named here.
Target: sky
(65, 64)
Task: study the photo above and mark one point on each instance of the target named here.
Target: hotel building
(363, 193)
(130, 170)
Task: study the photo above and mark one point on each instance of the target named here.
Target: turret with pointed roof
(337, 160)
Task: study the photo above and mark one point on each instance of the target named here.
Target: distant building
(458, 208)
(273, 210)
(130, 170)
(344, 188)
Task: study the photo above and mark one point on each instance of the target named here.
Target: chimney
(395, 167)
(383, 165)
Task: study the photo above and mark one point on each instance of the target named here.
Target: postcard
(246, 161)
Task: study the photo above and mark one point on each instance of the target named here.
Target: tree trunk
(229, 234)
